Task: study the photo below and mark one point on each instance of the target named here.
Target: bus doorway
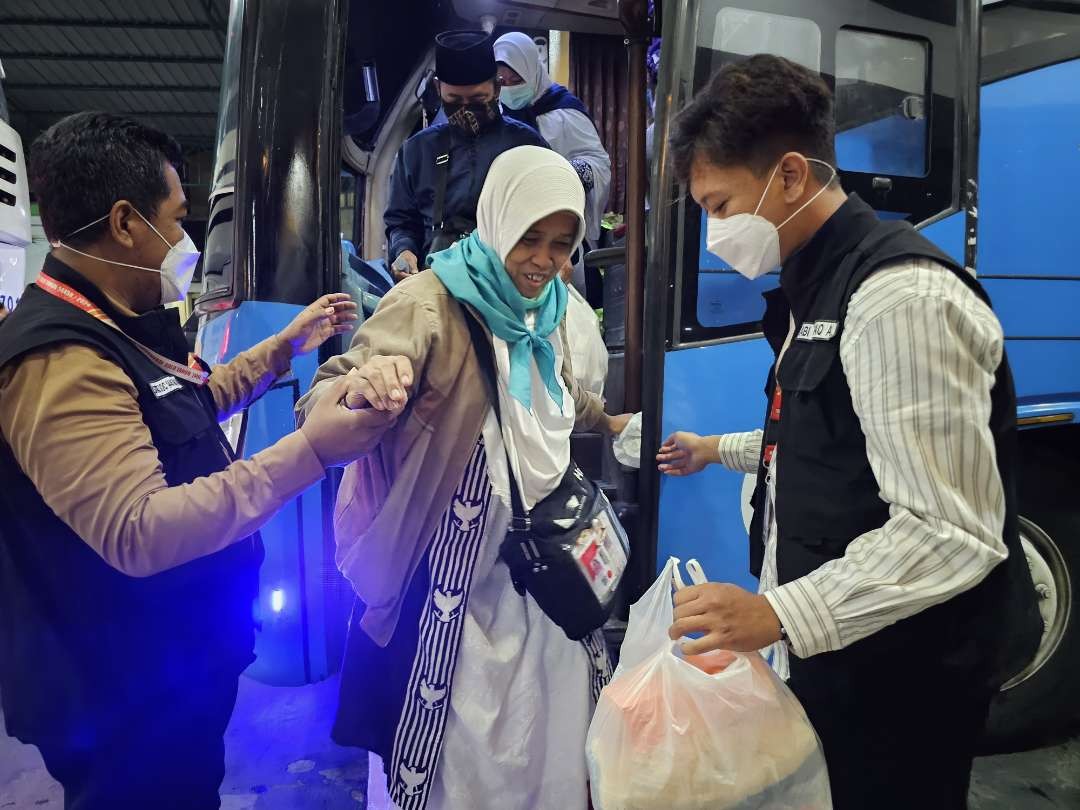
(302, 172)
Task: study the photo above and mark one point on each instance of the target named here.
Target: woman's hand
(687, 453)
(381, 383)
(616, 424)
(331, 315)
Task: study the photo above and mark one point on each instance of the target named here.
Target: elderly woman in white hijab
(562, 119)
(467, 690)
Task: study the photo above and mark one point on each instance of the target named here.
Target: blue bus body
(1027, 225)
(290, 611)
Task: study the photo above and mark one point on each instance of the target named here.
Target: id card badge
(602, 551)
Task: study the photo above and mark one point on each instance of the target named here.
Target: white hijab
(524, 185)
(519, 52)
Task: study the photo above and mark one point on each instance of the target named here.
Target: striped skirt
(479, 700)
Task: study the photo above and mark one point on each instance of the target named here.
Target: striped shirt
(920, 351)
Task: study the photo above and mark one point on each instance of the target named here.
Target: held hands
(332, 428)
(687, 453)
(405, 265)
(729, 617)
(382, 383)
(330, 315)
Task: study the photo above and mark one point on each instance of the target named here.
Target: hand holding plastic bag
(706, 732)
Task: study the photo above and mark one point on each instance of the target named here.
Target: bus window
(728, 34)
(217, 262)
(881, 103)
(715, 297)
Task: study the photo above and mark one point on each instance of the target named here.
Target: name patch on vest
(165, 386)
(818, 330)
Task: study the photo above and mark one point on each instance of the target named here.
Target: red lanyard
(774, 420)
(192, 374)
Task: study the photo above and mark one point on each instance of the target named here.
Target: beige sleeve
(245, 378)
(73, 422)
(588, 407)
(401, 326)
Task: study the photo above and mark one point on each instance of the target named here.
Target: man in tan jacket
(129, 555)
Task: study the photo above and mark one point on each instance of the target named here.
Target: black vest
(827, 494)
(81, 643)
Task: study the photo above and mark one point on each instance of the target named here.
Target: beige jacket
(72, 420)
(391, 500)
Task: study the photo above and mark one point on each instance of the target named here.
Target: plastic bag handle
(651, 616)
(697, 573)
(693, 567)
(676, 574)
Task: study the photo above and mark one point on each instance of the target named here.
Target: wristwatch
(784, 637)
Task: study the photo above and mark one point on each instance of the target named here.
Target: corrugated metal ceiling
(156, 61)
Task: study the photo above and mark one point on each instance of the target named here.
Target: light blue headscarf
(475, 275)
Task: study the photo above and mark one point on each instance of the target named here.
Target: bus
(15, 225)
(955, 115)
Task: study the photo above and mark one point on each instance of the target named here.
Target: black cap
(464, 57)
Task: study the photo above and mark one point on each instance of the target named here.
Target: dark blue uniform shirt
(408, 216)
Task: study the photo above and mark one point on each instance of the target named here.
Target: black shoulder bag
(570, 552)
(445, 231)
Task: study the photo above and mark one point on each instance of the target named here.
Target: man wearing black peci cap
(440, 170)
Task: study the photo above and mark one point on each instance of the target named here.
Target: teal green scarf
(475, 275)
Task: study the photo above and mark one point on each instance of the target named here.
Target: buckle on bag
(521, 525)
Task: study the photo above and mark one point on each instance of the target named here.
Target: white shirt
(571, 133)
(920, 351)
(537, 438)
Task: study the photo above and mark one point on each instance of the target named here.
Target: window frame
(1018, 59)
(918, 199)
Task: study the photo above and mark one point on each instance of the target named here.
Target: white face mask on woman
(177, 268)
(749, 242)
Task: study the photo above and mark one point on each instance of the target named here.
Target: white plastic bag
(707, 732)
(627, 445)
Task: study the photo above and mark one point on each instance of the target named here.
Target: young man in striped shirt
(892, 587)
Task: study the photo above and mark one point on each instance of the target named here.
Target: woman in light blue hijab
(471, 694)
(530, 220)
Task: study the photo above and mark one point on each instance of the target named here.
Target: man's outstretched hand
(330, 315)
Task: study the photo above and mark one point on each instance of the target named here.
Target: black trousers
(897, 734)
(166, 755)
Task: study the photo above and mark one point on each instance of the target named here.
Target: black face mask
(472, 119)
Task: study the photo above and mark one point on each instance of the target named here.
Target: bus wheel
(1041, 704)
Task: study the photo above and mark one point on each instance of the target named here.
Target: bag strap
(485, 356)
(442, 175)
